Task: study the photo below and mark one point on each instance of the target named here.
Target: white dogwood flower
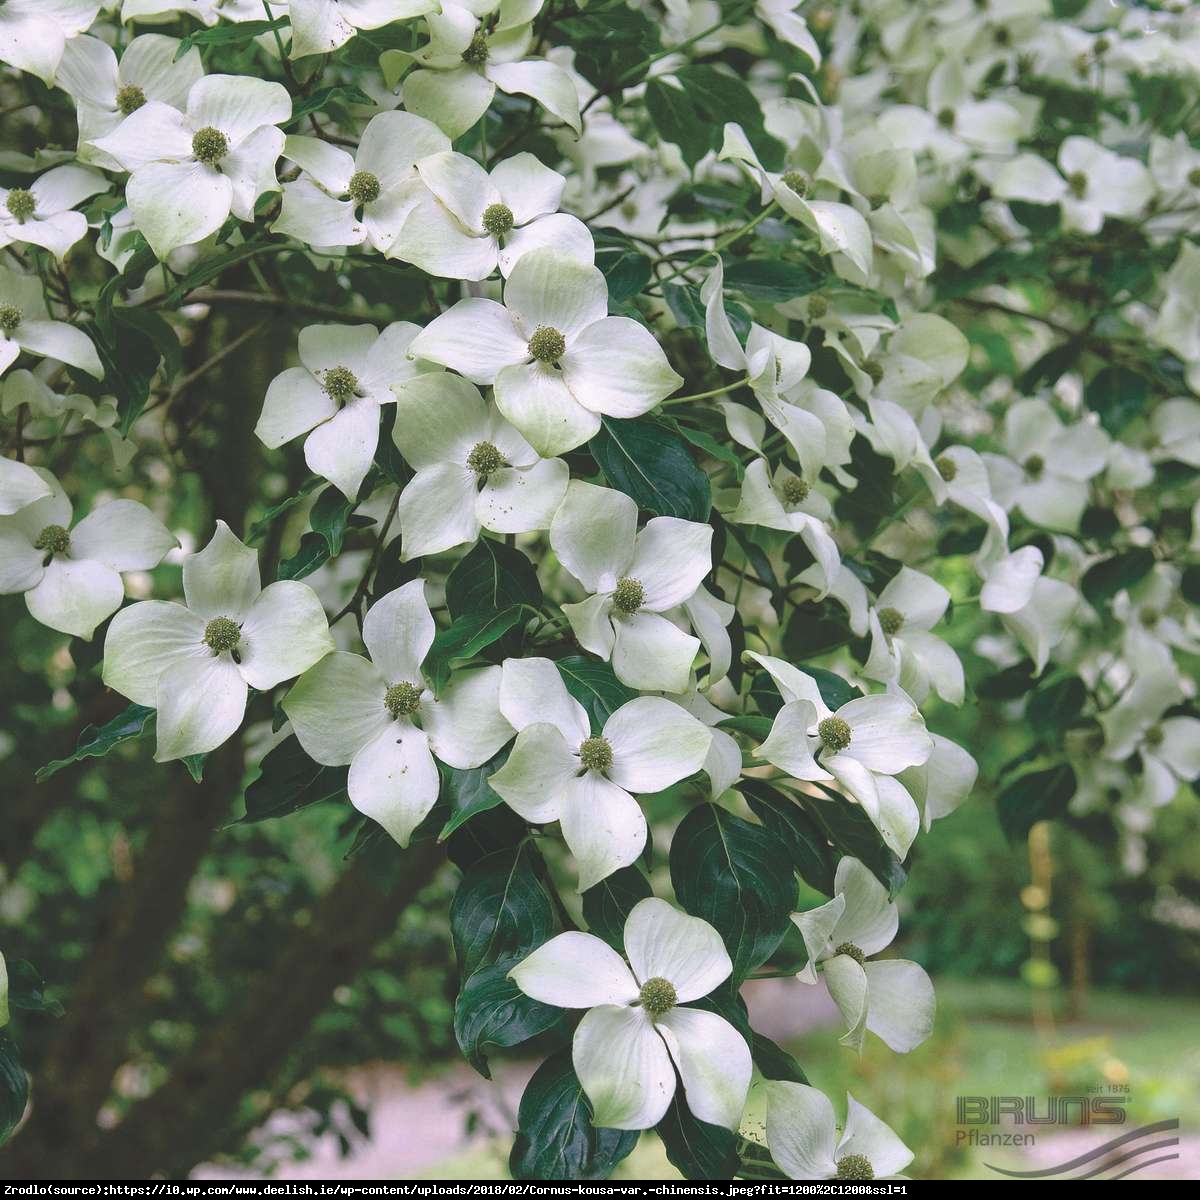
(903, 648)
(348, 371)
(457, 73)
(943, 781)
(322, 26)
(1051, 464)
(72, 577)
(20, 485)
(1036, 610)
(346, 200)
(195, 662)
(25, 324)
(34, 33)
(864, 745)
(42, 214)
(637, 1031)
(787, 501)
(1100, 184)
(557, 360)
(189, 170)
(106, 91)
(379, 716)
(893, 998)
(468, 221)
(472, 469)
(634, 578)
(803, 1137)
(559, 771)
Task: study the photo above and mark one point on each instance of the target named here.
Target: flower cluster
(698, 437)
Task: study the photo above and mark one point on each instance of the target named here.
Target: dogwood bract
(379, 715)
(473, 470)
(196, 662)
(25, 324)
(558, 770)
(637, 1030)
(71, 577)
(634, 578)
(557, 360)
(348, 371)
(189, 170)
(892, 998)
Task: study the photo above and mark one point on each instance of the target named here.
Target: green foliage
(645, 460)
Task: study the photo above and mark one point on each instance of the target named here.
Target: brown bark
(185, 1120)
(107, 1003)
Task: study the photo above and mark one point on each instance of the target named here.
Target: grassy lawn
(984, 1044)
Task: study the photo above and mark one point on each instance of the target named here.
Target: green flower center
(795, 490)
(476, 54)
(818, 306)
(947, 468)
(363, 187)
(891, 620)
(402, 699)
(629, 595)
(340, 384)
(1001, 36)
(855, 1166)
(1149, 617)
(834, 733)
(130, 98)
(945, 118)
(658, 996)
(1101, 45)
(21, 204)
(1077, 181)
(221, 634)
(596, 754)
(484, 459)
(498, 219)
(851, 951)
(1193, 177)
(10, 317)
(1035, 464)
(209, 145)
(874, 371)
(797, 181)
(547, 345)
(53, 538)
(1154, 735)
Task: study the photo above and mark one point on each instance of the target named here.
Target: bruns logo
(1078, 1110)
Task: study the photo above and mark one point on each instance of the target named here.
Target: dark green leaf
(738, 877)
(96, 741)
(313, 553)
(608, 903)
(27, 989)
(625, 267)
(262, 526)
(594, 685)
(1117, 395)
(492, 1011)
(1033, 797)
(774, 1062)
(851, 831)
(468, 792)
(288, 780)
(195, 765)
(465, 639)
(14, 1088)
(493, 576)
(323, 98)
(329, 517)
(555, 1135)
(771, 279)
(677, 120)
(645, 460)
(835, 691)
(1054, 706)
(695, 1148)
(806, 843)
(1008, 684)
(720, 96)
(503, 908)
(1100, 583)
(229, 35)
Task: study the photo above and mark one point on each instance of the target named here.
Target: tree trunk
(185, 1120)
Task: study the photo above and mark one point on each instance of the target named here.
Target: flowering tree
(682, 406)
